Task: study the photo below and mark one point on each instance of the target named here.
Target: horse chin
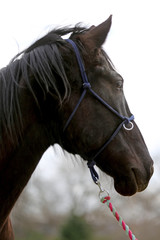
(125, 188)
(129, 185)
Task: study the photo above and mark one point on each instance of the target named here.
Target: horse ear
(96, 36)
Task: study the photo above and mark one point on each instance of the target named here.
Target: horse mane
(42, 59)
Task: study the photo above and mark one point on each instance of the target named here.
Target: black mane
(44, 61)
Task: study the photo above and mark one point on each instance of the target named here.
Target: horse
(67, 92)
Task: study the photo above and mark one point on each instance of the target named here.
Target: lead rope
(105, 198)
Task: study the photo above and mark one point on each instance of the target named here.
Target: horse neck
(20, 160)
(19, 167)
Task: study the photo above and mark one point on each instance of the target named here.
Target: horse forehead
(103, 62)
(106, 70)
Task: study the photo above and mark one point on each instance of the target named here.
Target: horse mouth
(129, 185)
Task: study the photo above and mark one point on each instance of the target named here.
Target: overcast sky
(133, 44)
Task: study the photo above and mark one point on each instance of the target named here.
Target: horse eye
(119, 84)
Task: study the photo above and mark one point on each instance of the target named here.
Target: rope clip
(99, 185)
(102, 191)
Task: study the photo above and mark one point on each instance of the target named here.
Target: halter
(87, 87)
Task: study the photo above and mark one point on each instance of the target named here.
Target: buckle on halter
(128, 128)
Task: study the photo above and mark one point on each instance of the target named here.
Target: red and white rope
(106, 200)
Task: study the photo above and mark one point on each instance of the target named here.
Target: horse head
(126, 158)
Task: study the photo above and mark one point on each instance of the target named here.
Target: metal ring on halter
(128, 128)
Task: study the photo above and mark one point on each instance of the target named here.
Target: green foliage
(75, 228)
(31, 235)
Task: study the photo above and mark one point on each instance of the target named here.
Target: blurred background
(60, 201)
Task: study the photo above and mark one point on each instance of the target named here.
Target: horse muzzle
(135, 181)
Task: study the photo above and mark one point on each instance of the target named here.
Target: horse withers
(45, 100)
